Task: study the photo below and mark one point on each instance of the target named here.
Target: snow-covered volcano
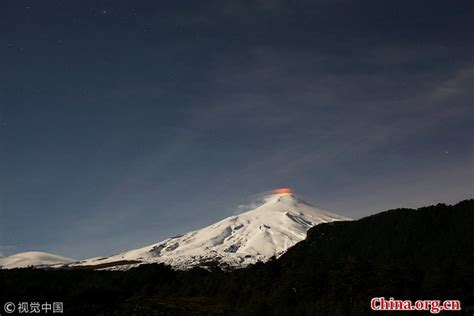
(269, 230)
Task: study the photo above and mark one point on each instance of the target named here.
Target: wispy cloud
(460, 82)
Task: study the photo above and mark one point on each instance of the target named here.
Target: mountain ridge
(425, 253)
(276, 223)
(32, 258)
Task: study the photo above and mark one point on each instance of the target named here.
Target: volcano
(279, 222)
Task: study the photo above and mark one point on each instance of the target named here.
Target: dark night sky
(125, 122)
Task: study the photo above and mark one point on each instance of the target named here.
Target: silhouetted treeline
(407, 254)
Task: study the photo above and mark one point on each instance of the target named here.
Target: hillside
(32, 258)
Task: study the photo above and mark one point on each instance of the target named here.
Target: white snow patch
(32, 258)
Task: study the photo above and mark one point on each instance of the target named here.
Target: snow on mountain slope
(32, 258)
(257, 235)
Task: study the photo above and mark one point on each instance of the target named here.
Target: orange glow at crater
(282, 191)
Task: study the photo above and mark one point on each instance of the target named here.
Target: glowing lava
(282, 191)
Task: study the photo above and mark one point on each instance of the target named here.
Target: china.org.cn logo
(33, 308)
